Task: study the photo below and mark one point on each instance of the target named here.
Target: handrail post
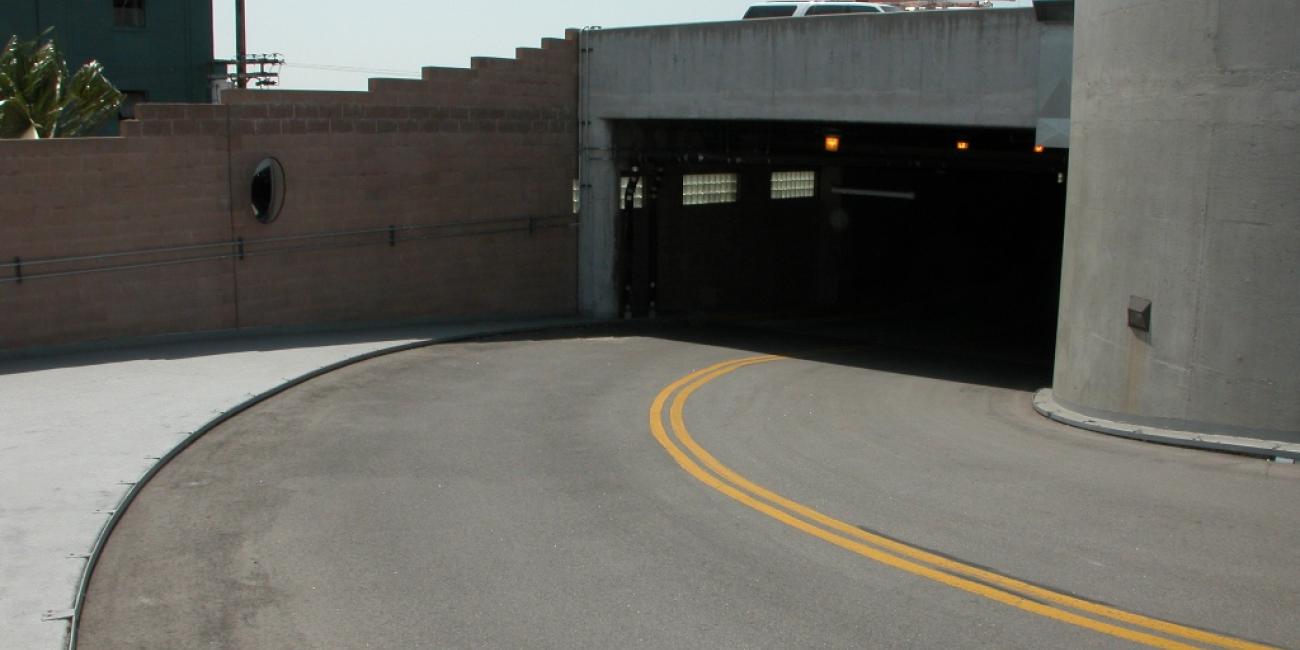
(18, 269)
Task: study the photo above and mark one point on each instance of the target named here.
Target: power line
(267, 72)
(351, 69)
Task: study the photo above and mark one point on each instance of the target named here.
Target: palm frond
(13, 118)
(92, 101)
(37, 90)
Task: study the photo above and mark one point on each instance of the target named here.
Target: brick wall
(494, 144)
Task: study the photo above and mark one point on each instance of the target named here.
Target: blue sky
(396, 37)
(393, 38)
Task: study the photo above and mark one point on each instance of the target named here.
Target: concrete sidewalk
(78, 430)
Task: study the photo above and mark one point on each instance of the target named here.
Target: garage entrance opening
(940, 238)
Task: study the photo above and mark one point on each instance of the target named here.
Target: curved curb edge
(101, 540)
(1047, 406)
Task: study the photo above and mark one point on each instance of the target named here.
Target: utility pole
(268, 65)
(241, 46)
(267, 71)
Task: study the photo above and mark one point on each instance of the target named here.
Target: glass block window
(704, 189)
(794, 185)
(638, 199)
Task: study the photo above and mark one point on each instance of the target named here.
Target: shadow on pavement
(849, 341)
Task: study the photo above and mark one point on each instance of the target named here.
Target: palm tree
(40, 99)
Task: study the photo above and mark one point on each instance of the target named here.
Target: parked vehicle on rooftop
(799, 8)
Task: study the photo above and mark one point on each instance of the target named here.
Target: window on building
(128, 13)
(577, 196)
(131, 99)
(705, 189)
(794, 185)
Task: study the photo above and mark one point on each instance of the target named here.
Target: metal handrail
(85, 258)
(336, 233)
(244, 248)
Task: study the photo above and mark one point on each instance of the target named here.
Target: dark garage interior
(938, 238)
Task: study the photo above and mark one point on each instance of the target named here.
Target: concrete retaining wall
(971, 68)
(977, 68)
(1184, 190)
(493, 142)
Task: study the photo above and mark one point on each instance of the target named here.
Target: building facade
(152, 50)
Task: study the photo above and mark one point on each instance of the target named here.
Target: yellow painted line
(683, 434)
(695, 380)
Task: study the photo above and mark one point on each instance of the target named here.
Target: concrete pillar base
(1046, 405)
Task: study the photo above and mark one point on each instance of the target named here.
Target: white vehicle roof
(797, 8)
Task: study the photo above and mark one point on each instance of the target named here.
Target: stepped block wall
(447, 196)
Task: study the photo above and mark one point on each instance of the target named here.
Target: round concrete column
(1184, 191)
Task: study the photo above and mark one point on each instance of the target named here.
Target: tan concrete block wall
(88, 197)
(495, 141)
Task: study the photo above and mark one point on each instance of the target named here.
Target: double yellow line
(981, 582)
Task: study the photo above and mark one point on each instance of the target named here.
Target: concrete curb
(119, 512)
(1046, 405)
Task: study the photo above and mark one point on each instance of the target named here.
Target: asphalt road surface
(596, 491)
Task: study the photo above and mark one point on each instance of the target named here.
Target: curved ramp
(511, 494)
